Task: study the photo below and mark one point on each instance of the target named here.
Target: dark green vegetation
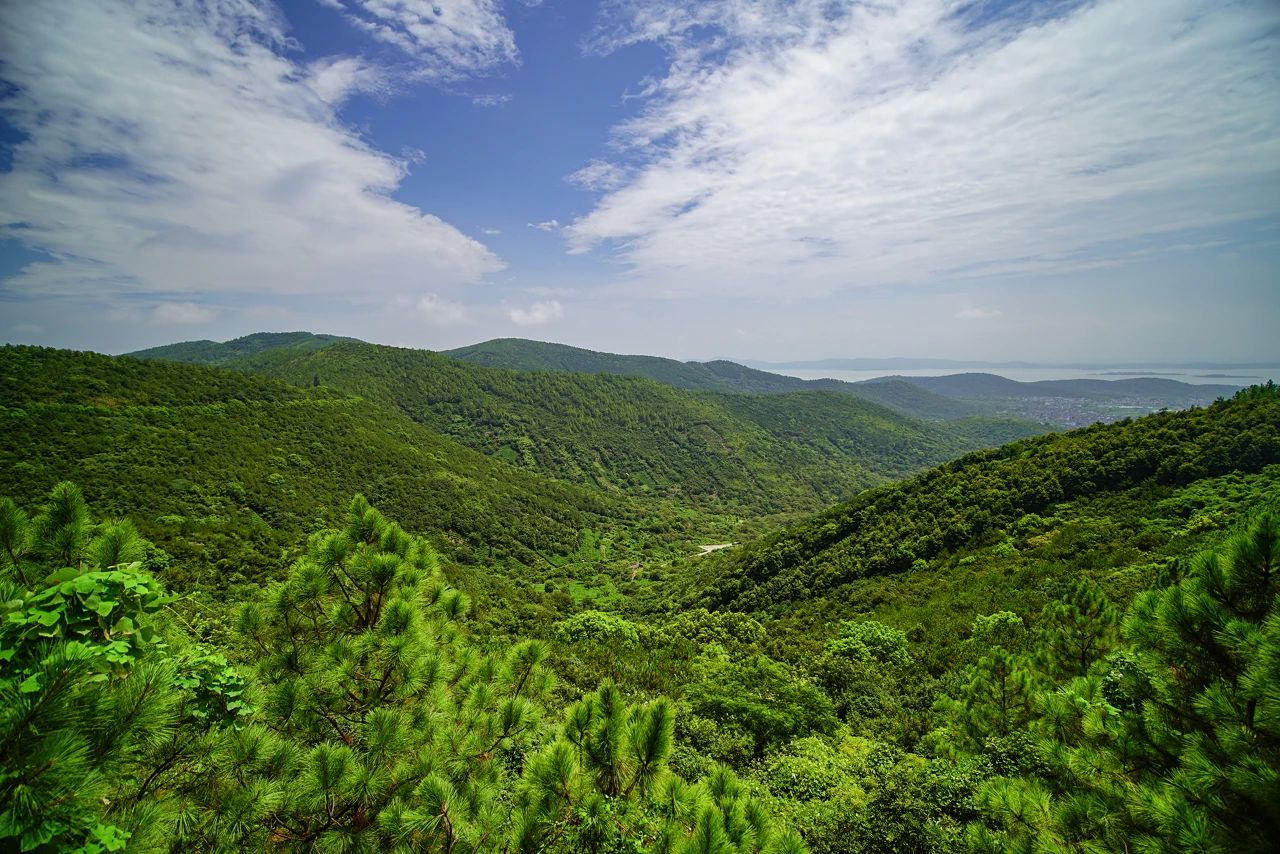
(225, 352)
(887, 530)
(723, 376)
(1066, 403)
(363, 716)
(734, 453)
(201, 456)
(1069, 643)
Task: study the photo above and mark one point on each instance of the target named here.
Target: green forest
(321, 595)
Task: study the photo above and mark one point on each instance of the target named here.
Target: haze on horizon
(757, 179)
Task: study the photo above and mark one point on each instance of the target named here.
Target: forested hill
(635, 436)
(201, 455)
(206, 352)
(723, 376)
(887, 530)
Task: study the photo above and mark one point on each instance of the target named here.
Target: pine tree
(1078, 631)
(1177, 746)
(85, 690)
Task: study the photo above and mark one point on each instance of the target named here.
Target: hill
(221, 468)
(723, 376)
(891, 529)
(977, 386)
(633, 436)
(206, 352)
(1067, 403)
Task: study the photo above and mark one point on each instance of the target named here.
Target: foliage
(1178, 748)
(885, 530)
(741, 453)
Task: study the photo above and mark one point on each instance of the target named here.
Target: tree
(86, 688)
(1177, 747)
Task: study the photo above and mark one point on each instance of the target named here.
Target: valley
(804, 596)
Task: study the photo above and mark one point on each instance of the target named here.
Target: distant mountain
(890, 364)
(723, 376)
(1065, 403)
(979, 386)
(206, 352)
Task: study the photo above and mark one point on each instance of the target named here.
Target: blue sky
(992, 179)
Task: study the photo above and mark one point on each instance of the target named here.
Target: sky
(753, 179)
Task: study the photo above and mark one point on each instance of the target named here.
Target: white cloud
(492, 232)
(336, 78)
(441, 312)
(491, 100)
(599, 175)
(182, 314)
(549, 225)
(801, 148)
(172, 150)
(537, 314)
(448, 39)
(971, 312)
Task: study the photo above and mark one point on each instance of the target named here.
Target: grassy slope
(635, 436)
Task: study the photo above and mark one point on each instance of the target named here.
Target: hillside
(201, 456)
(633, 436)
(723, 376)
(890, 674)
(206, 352)
(1069, 403)
(889, 529)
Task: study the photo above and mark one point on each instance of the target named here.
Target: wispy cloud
(182, 314)
(537, 314)
(491, 100)
(599, 175)
(175, 150)
(971, 312)
(447, 39)
(827, 147)
(336, 78)
(549, 225)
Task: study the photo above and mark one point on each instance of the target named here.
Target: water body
(1196, 375)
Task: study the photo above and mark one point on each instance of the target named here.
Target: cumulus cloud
(537, 314)
(439, 311)
(549, 225)
(172, 149)
(970, 312)
(447, 39)
(807, 147)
